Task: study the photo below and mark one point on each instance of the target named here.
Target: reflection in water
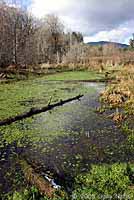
(86, 138)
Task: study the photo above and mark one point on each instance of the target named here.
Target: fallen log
(34, 111)
(44, 184)
(33, 178)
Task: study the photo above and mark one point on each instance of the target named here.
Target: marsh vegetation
(68, 144)
(82, 150)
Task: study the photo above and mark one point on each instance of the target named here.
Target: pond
(61, 143)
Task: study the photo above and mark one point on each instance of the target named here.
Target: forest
(66, 112)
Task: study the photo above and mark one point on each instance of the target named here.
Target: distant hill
(102, 43)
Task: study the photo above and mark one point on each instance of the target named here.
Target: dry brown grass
(121, 93)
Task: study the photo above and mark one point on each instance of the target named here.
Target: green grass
(75, 75)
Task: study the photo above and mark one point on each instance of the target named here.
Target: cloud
(94, 18)
(42, 7)
(121, 34)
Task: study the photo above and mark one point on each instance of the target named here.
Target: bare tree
(6, 36)
(54, 39)
(25, 40)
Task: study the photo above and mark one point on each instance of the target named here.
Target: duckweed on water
(16, 98)
(21, 96)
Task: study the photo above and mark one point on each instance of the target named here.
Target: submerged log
(33, 178)
(34, 111)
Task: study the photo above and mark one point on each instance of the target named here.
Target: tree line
(25, 40)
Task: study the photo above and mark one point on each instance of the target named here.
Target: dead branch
(34, 111)
(33, 178)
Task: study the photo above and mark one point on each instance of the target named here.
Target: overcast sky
(111, 20)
